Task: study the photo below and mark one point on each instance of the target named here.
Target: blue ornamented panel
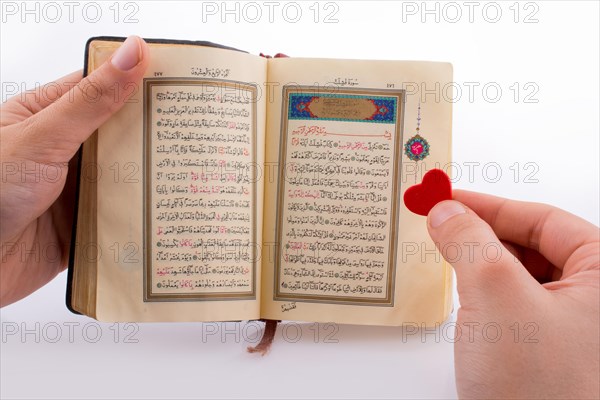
(378, 109)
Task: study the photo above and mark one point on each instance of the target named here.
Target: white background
(552, 123)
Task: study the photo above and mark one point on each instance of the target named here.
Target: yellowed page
(179, 206)
(339, 245)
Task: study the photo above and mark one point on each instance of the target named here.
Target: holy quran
(236, 187)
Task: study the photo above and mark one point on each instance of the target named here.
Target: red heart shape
(435, 187)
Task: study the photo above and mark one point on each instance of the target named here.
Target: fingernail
(444, 211)
(128, 55)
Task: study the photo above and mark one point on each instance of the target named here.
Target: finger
(554, 233)
(483, 265)
(58, 130)
(540, 268)
(33, 101)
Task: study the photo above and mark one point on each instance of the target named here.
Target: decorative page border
(300, 103)
(147, 174)
(294, 95)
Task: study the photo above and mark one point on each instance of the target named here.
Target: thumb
(485, 269)
(55, 133)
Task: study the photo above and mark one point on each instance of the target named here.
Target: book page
(338, 195)
(200, 192)
(336, 139)
(180, 209)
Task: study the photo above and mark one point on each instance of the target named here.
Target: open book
(236, 187)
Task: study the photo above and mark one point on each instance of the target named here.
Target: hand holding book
(41, 132)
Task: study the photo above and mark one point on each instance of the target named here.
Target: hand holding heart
(541, 292)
